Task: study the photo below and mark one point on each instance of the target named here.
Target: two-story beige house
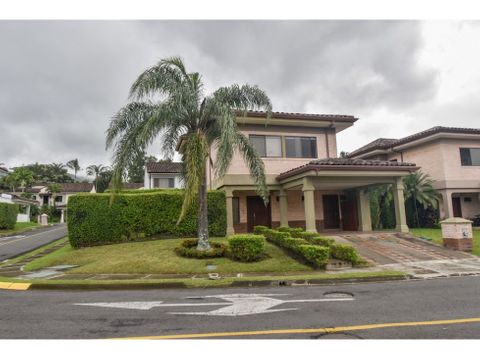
(451, 156)
(309, 186)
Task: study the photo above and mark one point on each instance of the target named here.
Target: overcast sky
(61, 81)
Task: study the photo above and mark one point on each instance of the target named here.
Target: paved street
(12, 246)
(375, 309)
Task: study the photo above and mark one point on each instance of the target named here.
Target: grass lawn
(20, 227)
(436, 236)
(158, 257)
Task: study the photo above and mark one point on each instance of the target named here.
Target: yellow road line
(14, 286)
(306, 331)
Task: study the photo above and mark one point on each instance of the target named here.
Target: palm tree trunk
(203, 218)
(417, 220)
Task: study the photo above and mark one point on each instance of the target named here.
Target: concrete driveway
(417, 257)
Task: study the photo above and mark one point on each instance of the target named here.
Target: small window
(163, 183)
(236, 210)
(267, 146)
(58, 199)
(301, 147)
(470, 156)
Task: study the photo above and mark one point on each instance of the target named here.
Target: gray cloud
(60, 81)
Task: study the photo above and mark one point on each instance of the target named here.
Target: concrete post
(364, 214)
(282, 196)
(447, 204)
(229, 197)
(399, 201)
(28, 213)
(62, 216)
(309, 204)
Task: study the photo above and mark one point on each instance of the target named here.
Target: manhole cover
(338, 295)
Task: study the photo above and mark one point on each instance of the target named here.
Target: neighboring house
(451, 156)
(3, 172)
(309, 186)
(44, 196)
(25, 205)
(163, 175)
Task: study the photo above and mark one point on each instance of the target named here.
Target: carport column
(282, 197)
(309, 203)
(447, 204)
(399, 201)
(229, 197)
(364, 215)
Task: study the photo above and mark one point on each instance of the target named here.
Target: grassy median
(435, 235)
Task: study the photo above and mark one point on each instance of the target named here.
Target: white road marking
(235, 305)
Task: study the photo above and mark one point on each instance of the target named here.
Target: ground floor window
(163, 183)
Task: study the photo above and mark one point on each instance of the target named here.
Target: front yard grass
(436, 236)
(158, 257)
(19, 228)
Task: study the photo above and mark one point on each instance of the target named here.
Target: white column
(309, 204)
(282, 196)
(399, 201)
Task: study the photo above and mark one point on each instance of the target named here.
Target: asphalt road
(12, 246)
(56, 314)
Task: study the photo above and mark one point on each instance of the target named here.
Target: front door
(331, 213)
(258, 213)
(349, 214)
(457, 207)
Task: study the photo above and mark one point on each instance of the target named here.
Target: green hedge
(97, 219)
(246, 247)
(8, 215)
(344, 252)
(188, 249)
(316, 255)
(322, 241)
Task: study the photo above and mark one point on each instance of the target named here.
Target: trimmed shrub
(283, 229)
(317, 256)
(8, 215)
(259, 229)
(295, 232)
(344, 252)
(188, 249)
(307, 235)
(322, 241)
(294, 243)
(99, 219)
(246, 247)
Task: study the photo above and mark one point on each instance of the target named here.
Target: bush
(259, 229)
(317, 256)
(188, 249)
(307, 235)
(344, 252)
(322, 241)
(283, 229)
(98, 219)
(294, 243)
(8, 215)
(246, 247)
(295, 232)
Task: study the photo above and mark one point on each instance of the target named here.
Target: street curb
(181, 285)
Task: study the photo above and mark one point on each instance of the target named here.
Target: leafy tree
(49, 173)
(104, 180)
(20, 177)
(75, 166)
(419, 190)
(344, 154)
(136, 169)
(54, 189)
(96, 170)
(169, 102)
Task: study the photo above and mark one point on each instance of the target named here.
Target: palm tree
(419, 187)
(96, 170)
(170, 102)
(75, 166)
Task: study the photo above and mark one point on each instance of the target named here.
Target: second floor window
(267, 146)
(301, 147)
(58, 199)
(470, 156)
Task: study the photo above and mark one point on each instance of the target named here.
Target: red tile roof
(348, 164)
(389, 143)
(164, 167)
(301, 116)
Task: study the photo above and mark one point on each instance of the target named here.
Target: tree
(96, 170)
(344, 154)
(54, 189)
(418, 188)
(136, 169)
(20, 177)
(104, 180)
(75, 166)
(169, 102)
